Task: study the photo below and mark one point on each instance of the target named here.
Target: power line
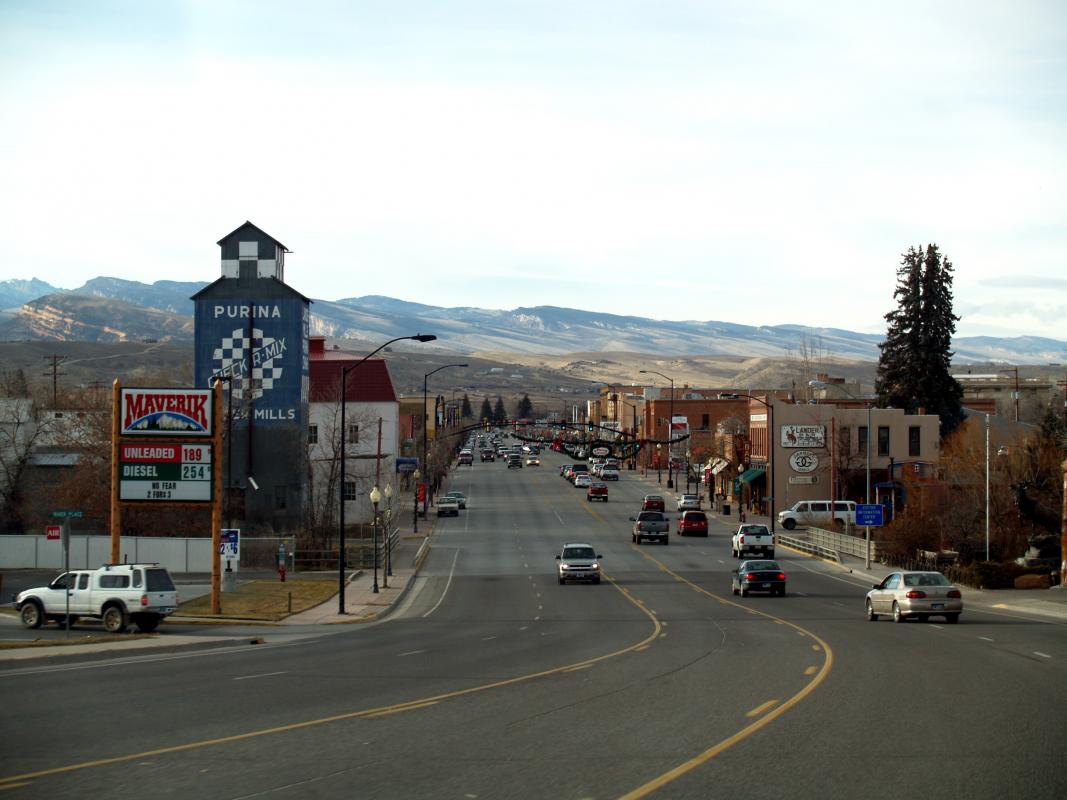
(56, 361)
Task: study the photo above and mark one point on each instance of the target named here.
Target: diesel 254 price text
(166, 472)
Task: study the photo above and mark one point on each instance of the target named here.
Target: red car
(653, 502)
(693, 523)
(597, 491)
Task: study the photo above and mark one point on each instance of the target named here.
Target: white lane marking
(1043, 655)
(721, 561)
(985, 639)
(526, 566)
(931, 625)
(410, 653)
(261, 675)
(803, 594)
(559, 517)
(524, 627)
(488, 638)
(451, 572)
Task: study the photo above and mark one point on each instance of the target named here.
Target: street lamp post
(670, 428)
(425, 379)
(419, 337)
(416, 476)
(388, 539)
(659, 463)
(867, 528)
(375, 498)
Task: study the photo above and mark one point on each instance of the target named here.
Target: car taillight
(750, 576)
(915, 594)
(144, 599)
(781, 576)
(954, 593)
(741, 540)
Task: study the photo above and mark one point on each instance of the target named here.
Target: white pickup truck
(117, 594)
(756, 539)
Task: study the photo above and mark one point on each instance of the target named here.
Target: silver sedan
(915, 594)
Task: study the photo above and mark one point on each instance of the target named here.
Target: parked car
(447, 506)
(460, 498)
(578, 562)
(597, 491)
(650, 525)
(688, 501)
(693, 523)
(758, 576)
(653, 502)
(919, 595)
(116, 594)
(816, 512)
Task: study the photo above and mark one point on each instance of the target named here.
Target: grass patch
(264, 600)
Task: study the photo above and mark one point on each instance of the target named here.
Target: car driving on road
(758, 576)
(653, 502)
(918, 595)
(650, 525)
(689, 502)
(460, 498)
(693, 523)
(578, 562)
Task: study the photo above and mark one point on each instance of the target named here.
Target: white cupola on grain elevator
(248, 252)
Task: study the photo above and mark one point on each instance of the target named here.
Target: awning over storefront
(750, 475)
(719, 465)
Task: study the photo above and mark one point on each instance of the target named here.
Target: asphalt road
(492, 681)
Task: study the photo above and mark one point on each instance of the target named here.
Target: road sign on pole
(52, 532)
(870, 514)
(67, 514)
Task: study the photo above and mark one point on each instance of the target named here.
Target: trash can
(726, 509)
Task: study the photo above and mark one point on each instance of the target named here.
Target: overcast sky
(762, 163)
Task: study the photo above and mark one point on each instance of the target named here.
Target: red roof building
(371, 382)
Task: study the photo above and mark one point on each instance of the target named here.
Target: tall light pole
(771, 445)
(418, 337)
(867, 528)
(987, 490)
(416, 476)
(670, 428)
(388, 540)
(633, 434)
(425, 466)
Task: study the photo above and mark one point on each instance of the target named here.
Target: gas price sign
(169, 472)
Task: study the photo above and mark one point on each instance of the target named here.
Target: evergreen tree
(486, 412)
(500, 415)
(1054, 430)
(524, 410)
(465, 411)
(916, 356)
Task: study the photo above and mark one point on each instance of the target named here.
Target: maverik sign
(166, 412)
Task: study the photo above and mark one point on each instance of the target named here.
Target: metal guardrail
(809, 547)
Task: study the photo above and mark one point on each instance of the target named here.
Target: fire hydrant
(281, 561)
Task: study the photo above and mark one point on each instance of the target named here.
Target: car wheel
(897, 616)
(115, 620)
(561, 581)
(744, 592)
(633, 538)
(789, 524)
(781, 592)
(596, 581)
(666, 541)
(870, 612)
(733, 589)
(952, 619)
(146, 623)
(31, 615)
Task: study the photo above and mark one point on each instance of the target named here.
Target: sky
(751, 162)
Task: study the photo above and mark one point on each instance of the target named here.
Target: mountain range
(112, 309)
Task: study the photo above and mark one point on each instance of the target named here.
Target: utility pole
(56, 361)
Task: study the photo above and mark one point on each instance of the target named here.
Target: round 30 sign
(803, 461)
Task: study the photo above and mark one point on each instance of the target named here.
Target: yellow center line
(399, 710)
(810, 670)
(702, 758)
(579, 667)
(761, 708)
(362, 714)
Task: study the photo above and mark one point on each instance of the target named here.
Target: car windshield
(762, 565)
(579, 552)
(694, 516)
(647, 516)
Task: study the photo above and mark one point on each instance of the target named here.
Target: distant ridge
(111, 309)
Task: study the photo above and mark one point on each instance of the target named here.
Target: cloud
(1026, 282)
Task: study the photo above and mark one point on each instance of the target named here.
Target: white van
(817, 512)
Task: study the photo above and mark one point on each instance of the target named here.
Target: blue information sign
(870, 514)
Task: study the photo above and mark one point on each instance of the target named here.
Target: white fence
(35, 551)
